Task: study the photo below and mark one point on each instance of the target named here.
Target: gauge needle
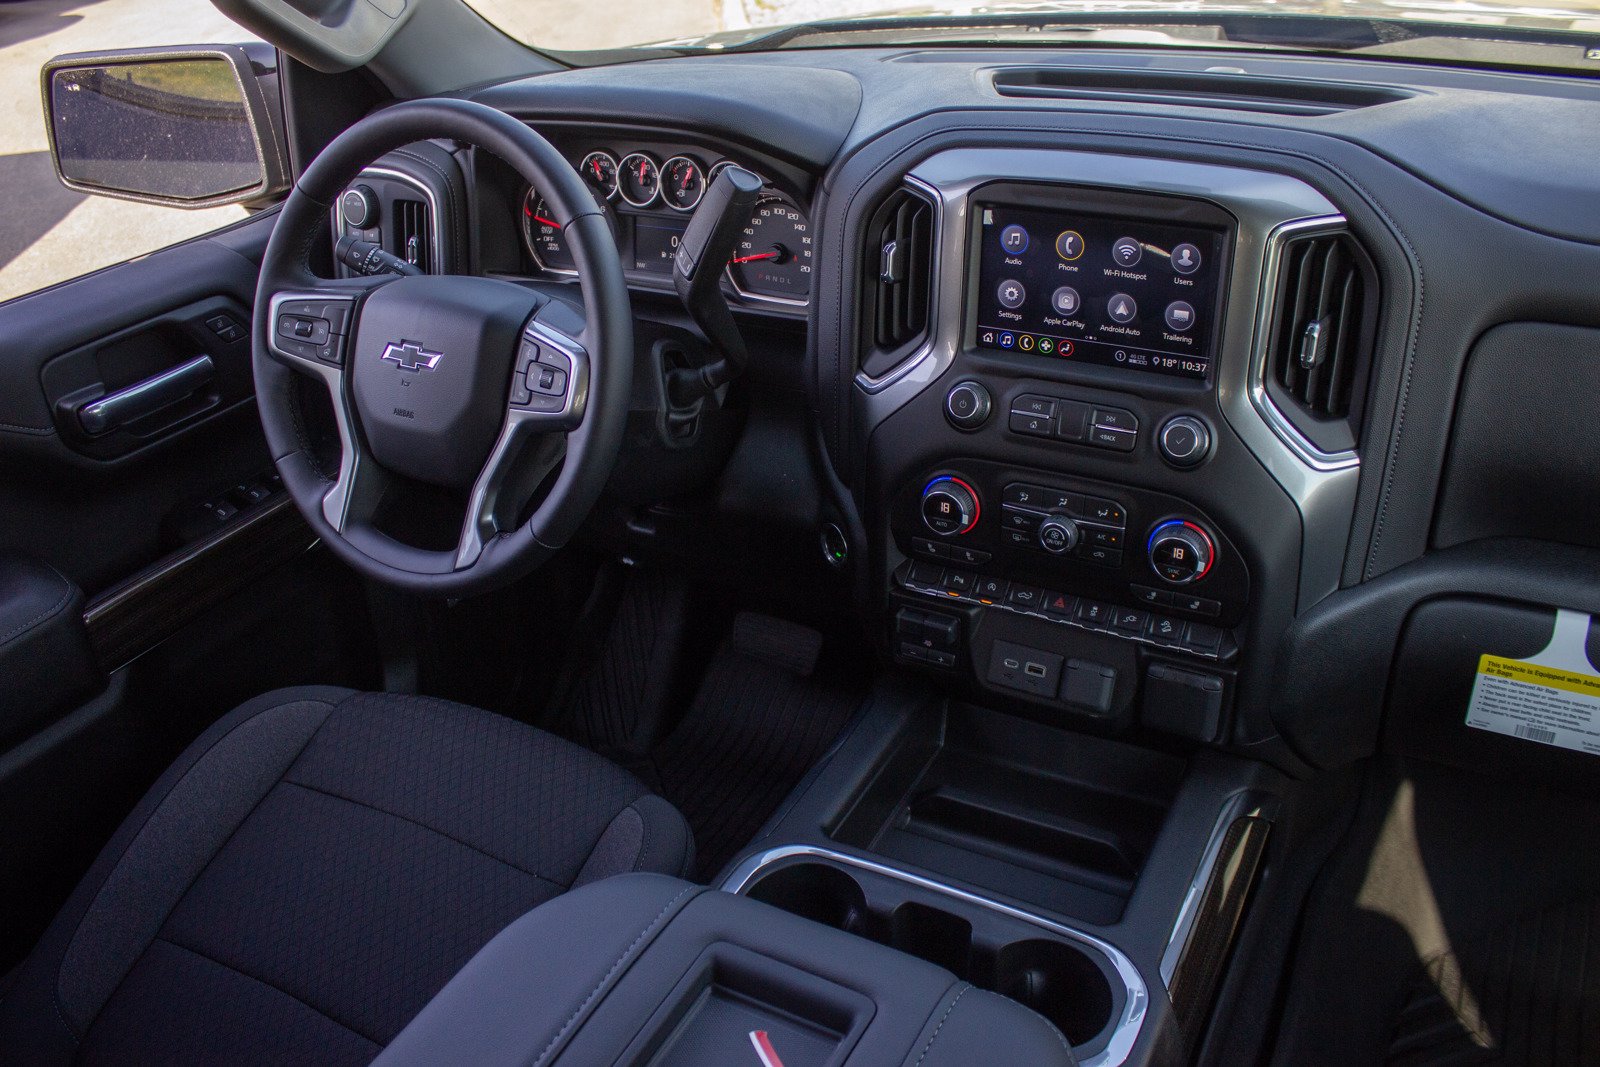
(752, 259)
(594, 165)
(540, 219)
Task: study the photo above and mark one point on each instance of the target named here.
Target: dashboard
(1107, 377)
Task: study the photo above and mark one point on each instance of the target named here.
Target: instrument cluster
(648, 202)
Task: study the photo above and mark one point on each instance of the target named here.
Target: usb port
(1035, 670)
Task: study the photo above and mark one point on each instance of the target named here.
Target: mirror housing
(188, 127)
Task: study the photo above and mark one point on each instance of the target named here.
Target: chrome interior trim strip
(1135, 1005)
(1287, 432)
(944, 252)
(1189, 913)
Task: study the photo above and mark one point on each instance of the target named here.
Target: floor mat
(1456, 926)
(765, 712)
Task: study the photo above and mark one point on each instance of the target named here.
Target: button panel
(1138, 624)
(1102, 524)
(1064, 419)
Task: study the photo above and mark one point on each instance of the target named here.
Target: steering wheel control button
(1058, 535)
(1181, 552)
(1069, 245)
(1011, 293)
(1014, 239)
(949, 506)
(1179, 316)
(1122, 308)
(1184, 441)
(1127, 252)
(968, 405)
(1066, 300)
(1185, 258)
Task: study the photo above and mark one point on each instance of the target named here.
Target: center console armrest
(648, 969)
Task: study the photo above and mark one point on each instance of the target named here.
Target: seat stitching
(432, 829)
(942, 1020)
(270, 985)
(607, 976)
(49, 613)
(55, 993)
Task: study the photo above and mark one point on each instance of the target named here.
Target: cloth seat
(311, 871)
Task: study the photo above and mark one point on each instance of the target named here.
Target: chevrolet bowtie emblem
(409, 355)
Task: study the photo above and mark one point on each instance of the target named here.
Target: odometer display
(773, 256)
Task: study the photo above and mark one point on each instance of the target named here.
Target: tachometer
(639, 179)
(542, 234)
(773, 256)
(683, 183)
(599, 169)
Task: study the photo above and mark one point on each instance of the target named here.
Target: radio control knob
(1184, 441)
(1058, 534)
(1181, 551)
(967, 405)
(949, 506)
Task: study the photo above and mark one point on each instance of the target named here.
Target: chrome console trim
(1135, 1004)
(1268, 208)
(1242, 806)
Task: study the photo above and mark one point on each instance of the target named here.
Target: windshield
(1563, 34)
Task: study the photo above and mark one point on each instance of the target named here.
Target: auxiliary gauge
(639, 179)
(599, 169)
(683, 183)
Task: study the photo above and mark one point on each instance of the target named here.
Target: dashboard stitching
(1412, 326)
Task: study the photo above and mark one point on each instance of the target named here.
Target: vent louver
(413, 234)
(1320, 343)
(897, 280)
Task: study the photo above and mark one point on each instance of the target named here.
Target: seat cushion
(312, 871)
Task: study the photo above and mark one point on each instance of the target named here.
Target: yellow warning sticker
(1552, 698)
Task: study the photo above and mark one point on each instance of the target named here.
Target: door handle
(146, 397)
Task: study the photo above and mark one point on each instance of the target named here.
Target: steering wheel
(477, 385)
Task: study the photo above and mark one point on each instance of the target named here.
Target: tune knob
(1181, 551)
(1058, 534)
(1184, 441)
(949, 506)
(359, 205)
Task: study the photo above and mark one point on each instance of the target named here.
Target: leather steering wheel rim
(604, 348)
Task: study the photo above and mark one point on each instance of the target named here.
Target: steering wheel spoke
(549, 392)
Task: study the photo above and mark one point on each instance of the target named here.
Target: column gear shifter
(703, 251)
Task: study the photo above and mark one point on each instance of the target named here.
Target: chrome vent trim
(1272, 341)
(900, 261)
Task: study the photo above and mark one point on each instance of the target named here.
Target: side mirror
(188, 127)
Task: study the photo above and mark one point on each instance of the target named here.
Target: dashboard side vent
(1320, 341)
(897, 280)
(413, 234)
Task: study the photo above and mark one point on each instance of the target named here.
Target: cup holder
(1058, 981)
(818, 892)
(1053, 976)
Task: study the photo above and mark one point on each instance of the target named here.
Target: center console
(1083, 507)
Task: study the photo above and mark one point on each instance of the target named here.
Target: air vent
(897, 280)
(413, 234)
(1229, 92)
(1320, 343)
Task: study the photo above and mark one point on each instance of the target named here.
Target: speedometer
(773, 256)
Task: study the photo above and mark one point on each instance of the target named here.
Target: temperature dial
(1181, 551)
(949, 506)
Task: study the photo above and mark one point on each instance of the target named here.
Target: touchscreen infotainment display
(1112, 291)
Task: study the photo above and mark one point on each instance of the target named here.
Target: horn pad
(430, 371)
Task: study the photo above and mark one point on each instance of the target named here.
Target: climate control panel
(1116, 544)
